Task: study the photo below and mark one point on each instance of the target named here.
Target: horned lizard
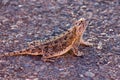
(69, 40)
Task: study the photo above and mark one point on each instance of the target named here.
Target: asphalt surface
(27, 20)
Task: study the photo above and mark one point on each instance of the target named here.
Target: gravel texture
(22, 21)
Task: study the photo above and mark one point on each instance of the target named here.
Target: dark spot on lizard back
(38, 48)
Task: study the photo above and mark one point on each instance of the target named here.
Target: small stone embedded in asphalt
(99, 45)
(20, 5)
(89, 15)
(14, 26)
(80, 53)
(111, 30)
(89, 74)
(81, 75)
(33, 79)
(64, 74)
(103, 34)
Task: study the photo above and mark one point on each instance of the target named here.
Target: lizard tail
(15, 53)
(11, 54)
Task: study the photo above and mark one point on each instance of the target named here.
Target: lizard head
(80, 26)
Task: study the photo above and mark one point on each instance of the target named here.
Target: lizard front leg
(85, 43)
(76, 51)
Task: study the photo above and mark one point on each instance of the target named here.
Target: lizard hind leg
(45, 59)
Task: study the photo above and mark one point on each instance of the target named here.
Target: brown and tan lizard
(69, 40)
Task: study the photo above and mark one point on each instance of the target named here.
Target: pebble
(63, 74)
(14, 26)
(81, 75)
(36, 79)
(62, 1)
(89, 74)
(83, 7)
(80, 53)
(99, 45)
(20, 5)
(118, 66)
(103, 34)
(33, 79)
(89, 15)
(43, 67)
(111, 30)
